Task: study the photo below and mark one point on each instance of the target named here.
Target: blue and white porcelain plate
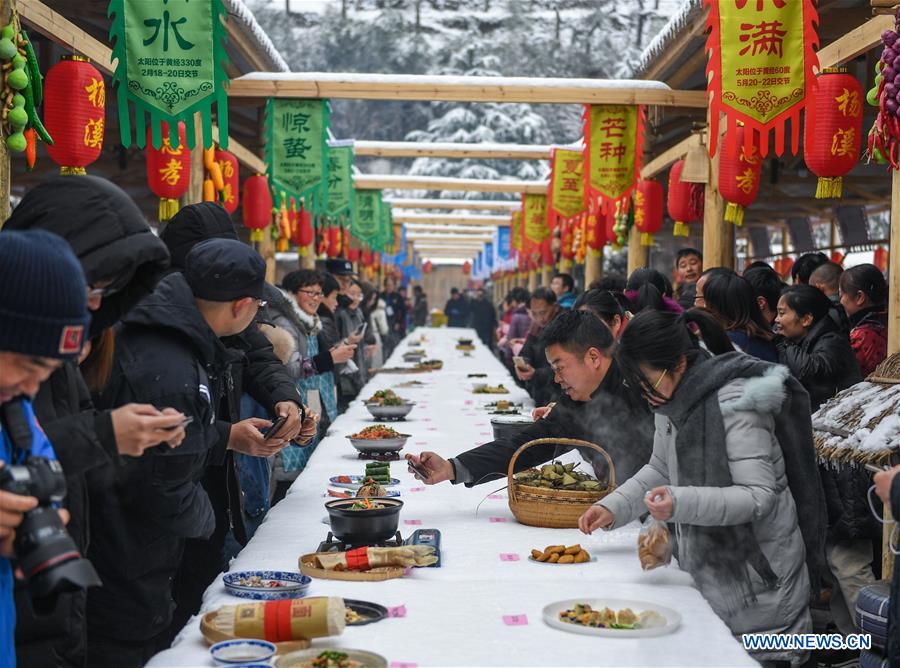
(256, 585)
(242, 651)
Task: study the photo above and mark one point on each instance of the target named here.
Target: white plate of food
(611, 617)
(354, 481)
(331, 658)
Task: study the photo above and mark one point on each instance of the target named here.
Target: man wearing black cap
(170, 352)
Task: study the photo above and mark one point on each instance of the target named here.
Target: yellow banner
(612, 159)
(515, 233)
(567, 183)
(535, 223)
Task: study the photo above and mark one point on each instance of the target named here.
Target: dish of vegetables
(378, 432)
(611, 617)
(386, 398)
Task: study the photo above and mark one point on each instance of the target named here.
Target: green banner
(387, 225)
(340, 182)
(171, 65)
(297, 150)
(367, 218)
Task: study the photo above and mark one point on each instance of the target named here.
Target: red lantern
(682, 200)
(596, 232)
(648, 210)
(335, 241)
(426, 267)
(567, 239)
(352, 249)
(257, 200)
(169, 170)
(74, 113)
(228, 165)
(467, 268)
(832, 136)
(609, 227)
(366, 257)
(783, 266)
(739, 168)
(547, 258)
(881, 258)
(837, 257)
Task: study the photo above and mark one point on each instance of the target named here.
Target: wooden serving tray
(212, 635)
(308, 567)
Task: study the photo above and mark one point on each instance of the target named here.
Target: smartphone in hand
(275, 428)
(520, 363)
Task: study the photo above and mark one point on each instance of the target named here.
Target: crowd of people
(702, 391)
(157, 396)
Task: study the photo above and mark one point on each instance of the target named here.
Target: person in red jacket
(864, 295)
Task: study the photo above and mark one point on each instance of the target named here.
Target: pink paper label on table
(506, 556)
(397, 611)
(481, 424)
(426, 419)
(468, 402)
(485, 433)
(494, 520)
(432, 428)
(515, 620)
(416, 523)
(495, 497)
(401, 664)
(417, 489)
(421, 442)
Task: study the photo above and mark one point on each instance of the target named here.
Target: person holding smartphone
(351, 321)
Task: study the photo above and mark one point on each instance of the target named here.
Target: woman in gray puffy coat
(733, 469)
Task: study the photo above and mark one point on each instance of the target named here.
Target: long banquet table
(482, 607)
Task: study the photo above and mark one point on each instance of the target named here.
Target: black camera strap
(15, 423)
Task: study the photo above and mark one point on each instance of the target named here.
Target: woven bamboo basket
(308, 567)
(554, 508)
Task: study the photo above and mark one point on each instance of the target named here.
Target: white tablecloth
(455, 613)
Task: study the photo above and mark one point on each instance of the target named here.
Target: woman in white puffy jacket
(733, 469)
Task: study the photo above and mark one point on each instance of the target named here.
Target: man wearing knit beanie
(43, 320)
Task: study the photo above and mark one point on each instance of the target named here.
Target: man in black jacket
(597, 407)
(171, 352)
(484, 318)
(536, 375)
(261, 375)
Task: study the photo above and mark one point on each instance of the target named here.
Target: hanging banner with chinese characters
(297, 151)
(367, 219)
(171, 65)
(761, 58)
(566, 185)
(515, 226)
(534, 224)
(340, 183)
(614, 139)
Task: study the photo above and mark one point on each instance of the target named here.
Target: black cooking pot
(364, 527)
(508, 428)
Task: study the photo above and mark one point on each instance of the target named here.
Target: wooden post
(546, 275)
(593, 266)
(307, 261)
(532, 280)
(5, 167)
(718, 235)
(638, 255)
(894, 292)
(194, 192)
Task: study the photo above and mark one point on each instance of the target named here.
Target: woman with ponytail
(649, 289)
(864, 294)
(733, 468)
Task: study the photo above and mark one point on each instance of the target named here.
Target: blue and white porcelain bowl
(290, 585)
(242, 651)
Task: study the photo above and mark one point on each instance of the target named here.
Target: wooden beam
(400, 149)
(461, 89)
(443, 228)
(395, 182)
(894, 272)
(677, 48)
(856, 42)
(437, 218)
(467, 204)
(670, 156)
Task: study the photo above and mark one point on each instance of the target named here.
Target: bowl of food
(464, 342)
(387, 405)
(364, 521)
(430, 365)
(507, 426)
(266, 585)
(413, 357)
(331, 658)
(242, 651)
(378, 438)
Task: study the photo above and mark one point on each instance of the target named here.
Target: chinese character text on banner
(614, 138)
(566, 185)
(761, 57)
(340, 182)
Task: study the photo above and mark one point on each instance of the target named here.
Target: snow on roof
(686, 14)
(861, 422)
(443, 80)
(240, 14)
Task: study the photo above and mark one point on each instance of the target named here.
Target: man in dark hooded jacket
(122, 261)
(261, 375)
(171, 350)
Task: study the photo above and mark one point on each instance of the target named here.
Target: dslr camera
(44, 550)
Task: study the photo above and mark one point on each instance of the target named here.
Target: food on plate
(257, 581)
(412, 383)
(332, 659)
(386, 398)
(344, 479)
(560, 554)
(430, 364)
(371, 488)
(491, 389)
(277, 621)
(367, 558)
(352, 616)
(654, 546)
(378, 472)
(366, 504)
(377, 432)
(476, 375)
(559, 476)
(626, 619)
